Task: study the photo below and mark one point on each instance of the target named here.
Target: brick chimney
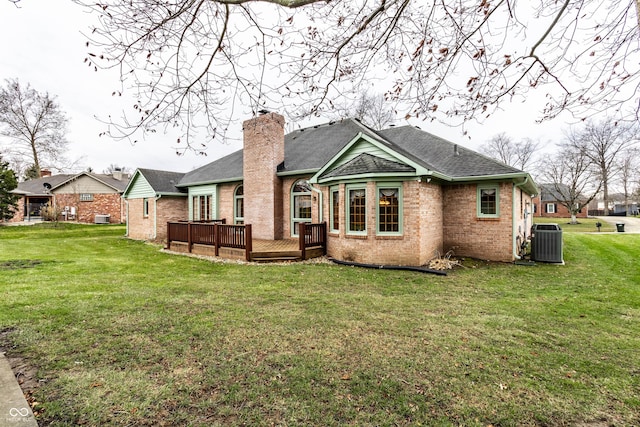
(263, 152)
(44, 173)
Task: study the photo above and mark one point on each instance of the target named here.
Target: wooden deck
(236, 242)
(276, 250)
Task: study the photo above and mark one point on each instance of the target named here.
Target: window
(488, 202)
(357, 214)
(551, 208)
(238, 205)
(86, 197)
(145, 207)
(300, 204)
(202, 208)
(335, 209)
(389, 209)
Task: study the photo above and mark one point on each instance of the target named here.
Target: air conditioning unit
(103, 219)
(546, 243)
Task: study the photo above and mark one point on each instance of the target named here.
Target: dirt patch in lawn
(16, 264)
(23, 370)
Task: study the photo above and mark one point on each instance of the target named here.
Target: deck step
(275, 259)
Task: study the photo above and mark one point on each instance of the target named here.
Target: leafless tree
(573, 179)
(34, 125)
(372, 110)
(628, 167)
(603, 143)
(194, 64)
(520, 155)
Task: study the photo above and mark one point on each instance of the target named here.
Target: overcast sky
(43, 45)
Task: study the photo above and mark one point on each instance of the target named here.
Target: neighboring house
(152, 199)
(547, 204)
(398, 196)
(79, 197)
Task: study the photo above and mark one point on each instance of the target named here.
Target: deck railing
(312, 235)
(211, 233)
(219, 235)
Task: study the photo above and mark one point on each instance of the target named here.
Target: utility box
(103, 219)
(546, 243)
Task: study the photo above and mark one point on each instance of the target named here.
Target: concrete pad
(14, 409)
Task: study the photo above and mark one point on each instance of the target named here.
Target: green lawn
(584, 225)
(124, 334)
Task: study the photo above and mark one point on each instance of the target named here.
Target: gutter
(514, 235)
(155, 216)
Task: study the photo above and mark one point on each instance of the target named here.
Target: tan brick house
(152, 199)
(84, 197)
(397, 196)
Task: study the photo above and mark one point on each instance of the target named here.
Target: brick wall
(19, 212)
(169, 209)
(226, 194)
(420, 239)
(263, 152)
(102, 204)
(150, 227)
(468, 235)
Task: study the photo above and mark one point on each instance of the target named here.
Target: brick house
(152, 199)
(547, 203)
(80, 197)
(397, 196)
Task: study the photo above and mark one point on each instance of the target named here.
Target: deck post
(248, 242)
(189, 241)
(216, 238)
(323, 230)
(168, 235)
(302, 231)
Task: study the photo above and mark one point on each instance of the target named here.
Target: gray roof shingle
(309, 149)
(366, 163)
(163, 182)
(35, 187)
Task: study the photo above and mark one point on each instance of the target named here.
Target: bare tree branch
(192, 65)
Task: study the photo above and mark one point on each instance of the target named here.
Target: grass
(124, 334)
(584, 225)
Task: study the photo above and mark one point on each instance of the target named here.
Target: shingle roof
(227, 168)
(35, 187)
(163, 182)
(309, 149)
(366, 163)
(444, 156)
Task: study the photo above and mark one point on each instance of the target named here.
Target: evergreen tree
(8, 182)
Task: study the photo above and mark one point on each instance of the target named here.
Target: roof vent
(456, 152)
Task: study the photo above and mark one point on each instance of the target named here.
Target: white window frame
(551, 208)
(86, 197)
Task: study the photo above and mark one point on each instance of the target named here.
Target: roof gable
(151, 182)
(367, 164)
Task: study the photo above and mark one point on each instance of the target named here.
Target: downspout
(514, 235)
(155, 216)
(320, 206)
(126, 212)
